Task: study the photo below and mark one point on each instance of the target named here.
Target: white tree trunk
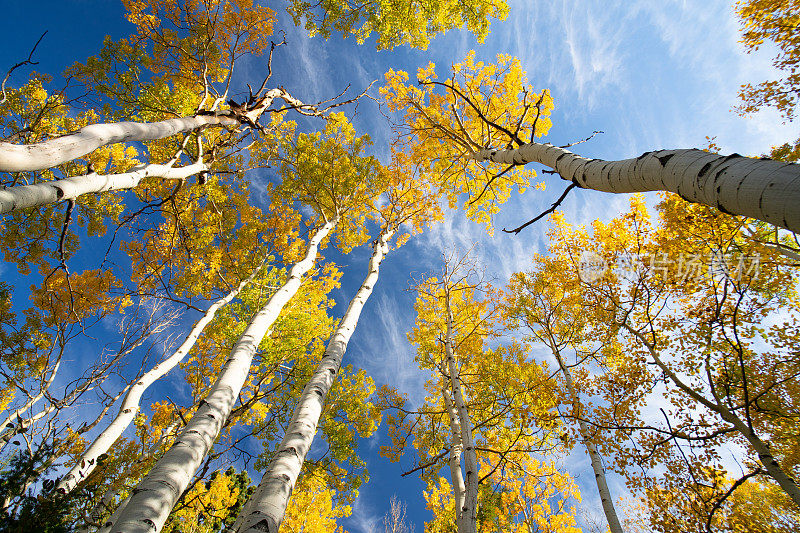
(155, 496)
(54, 152)
(8, 427)
(597, 463)
(106, 528)
(759, 188)
(49, 192)
(456, 447)
(130, 404)
(265, 510)
(468, 522)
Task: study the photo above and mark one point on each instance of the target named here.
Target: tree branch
(555, 205)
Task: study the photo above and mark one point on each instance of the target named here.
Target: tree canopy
(182, 231)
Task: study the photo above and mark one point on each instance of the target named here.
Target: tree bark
(54, 152)
(265, 510)
(469, 512)
(49, 192)
(597, 463)
(759, 188)
(456, 476)
(130, 404)
(153, 499)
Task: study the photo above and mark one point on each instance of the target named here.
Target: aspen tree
(265, 510)
(131, 402)
(412, 202)
(477, 129)
(509, 406)
(554, 318)
(716, 334)
(327, 172)
(154, 497)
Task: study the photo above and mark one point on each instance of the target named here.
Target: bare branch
(28, 61)
(553, 207)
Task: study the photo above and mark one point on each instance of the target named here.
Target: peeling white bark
(49, 192)
(456, 447)
(155, 496)
(131, 403)
(265, 510)
(759, 188)
(468, 522)
(54, 152)
(597, 463)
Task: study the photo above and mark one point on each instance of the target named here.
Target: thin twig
(582, 140)
(553, 207)
(273, 46)
(489, 183)
(28, 61)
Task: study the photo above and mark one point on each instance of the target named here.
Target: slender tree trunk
(771, 465)
(456, 476)
(597, 463)
(54, 152)
(50, 192)
(105, 527)
(8, 427)
(469, 512)
(130, 404)
(759, 188)
(265, 510)
(155, 496)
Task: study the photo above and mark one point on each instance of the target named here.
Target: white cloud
(383, 350)
(364, 519)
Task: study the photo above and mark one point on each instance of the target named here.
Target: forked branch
(28, 61)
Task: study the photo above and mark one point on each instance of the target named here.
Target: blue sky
(650, 74)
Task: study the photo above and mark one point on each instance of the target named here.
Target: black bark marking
(264, 525)
(663, 160)
(717, 175)
(704, 170)
(732, 156)
(59, 192)
(722, 208)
